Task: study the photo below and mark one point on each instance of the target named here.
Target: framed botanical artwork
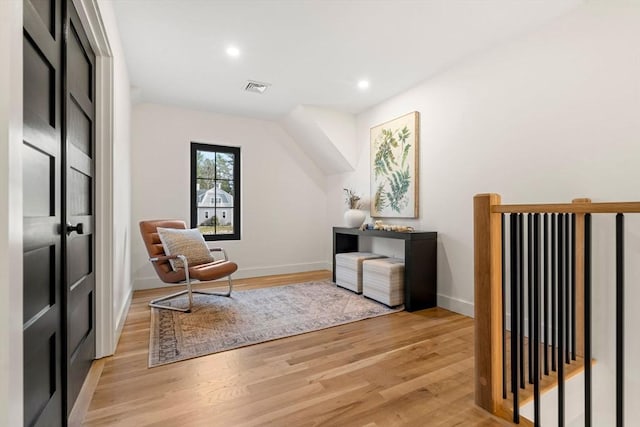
(394, 167)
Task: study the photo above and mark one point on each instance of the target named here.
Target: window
(215, 176)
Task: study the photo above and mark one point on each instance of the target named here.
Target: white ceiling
(313, 52)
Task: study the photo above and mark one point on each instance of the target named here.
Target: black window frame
(213, 148)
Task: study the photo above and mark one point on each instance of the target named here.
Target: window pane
(206, 164)
(232, 188)
(204, 185)
(205, 192)
(224, 165)
(226, 192)
(224, 221)
(207, 230)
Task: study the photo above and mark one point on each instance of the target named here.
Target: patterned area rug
(249, 317)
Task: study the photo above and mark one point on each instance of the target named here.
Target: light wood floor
(399, 369)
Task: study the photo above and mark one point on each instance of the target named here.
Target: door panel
(45, 11)
(39, 184)
(78, 195)
(42, 401)
(81, 75)
(41, 75)
(39, 290)
(79, 185)
(80, 259)
(80, 129)
(42, 171)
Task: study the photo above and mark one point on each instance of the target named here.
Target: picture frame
(394, 167)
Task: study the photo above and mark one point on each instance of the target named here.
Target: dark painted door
(58, 170)
(78, 185)
(42, 204)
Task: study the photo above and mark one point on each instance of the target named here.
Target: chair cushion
(189, 243)
(213, 271)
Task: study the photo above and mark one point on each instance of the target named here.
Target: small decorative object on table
(379, 225)
(353, 217)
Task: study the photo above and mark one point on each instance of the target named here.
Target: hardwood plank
(399, 369)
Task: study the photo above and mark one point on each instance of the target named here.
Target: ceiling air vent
(257, 87)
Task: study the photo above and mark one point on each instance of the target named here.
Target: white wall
(340, 129)
(122, 281)
(283, 205)
(546, 118)
(11, 213)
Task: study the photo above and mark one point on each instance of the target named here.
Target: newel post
(487, 236)
(579, 278)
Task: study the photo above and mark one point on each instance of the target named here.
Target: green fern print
(380, 199)
(391, 171)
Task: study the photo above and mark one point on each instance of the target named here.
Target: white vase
(354, 218)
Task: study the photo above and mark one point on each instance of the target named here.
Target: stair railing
(544, 263)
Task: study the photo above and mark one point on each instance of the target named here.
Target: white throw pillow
(189, 243)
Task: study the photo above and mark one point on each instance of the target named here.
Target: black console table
(420, 260)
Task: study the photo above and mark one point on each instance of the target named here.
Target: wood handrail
(578, 208)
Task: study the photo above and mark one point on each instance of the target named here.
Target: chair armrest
(163, 258)
(168, 257)
(220, 250)
(185, 263)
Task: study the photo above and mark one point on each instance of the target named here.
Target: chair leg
(221, 294)
(189, 291)
(154, 302)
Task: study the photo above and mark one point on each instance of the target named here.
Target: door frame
(107, 331)
(11, 254)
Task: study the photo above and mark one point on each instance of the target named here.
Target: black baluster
(545, 266)
(515, 298)
(536, 320)
(620, 320)
(530, 294)
(504, 311)
(567, 281)
(554, 292)
(587, 321)
(573, 286)
(561, 307)
(521, 294)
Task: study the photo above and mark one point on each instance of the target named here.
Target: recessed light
(363, 84)
(233, 51)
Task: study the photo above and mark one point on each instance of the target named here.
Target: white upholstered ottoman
(349, 269)
(383, 280)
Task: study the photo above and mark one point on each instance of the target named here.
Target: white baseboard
(122, 317)
(455, 304)
(152, 282)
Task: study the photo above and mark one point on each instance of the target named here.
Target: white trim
(152, 282)
(122, 316)
(455, 304)
(11, 232)
(106, 329)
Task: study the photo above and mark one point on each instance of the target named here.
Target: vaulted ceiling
(313, 52)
